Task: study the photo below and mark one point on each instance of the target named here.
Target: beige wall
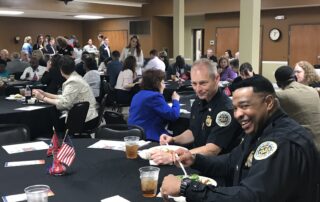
(11, 27)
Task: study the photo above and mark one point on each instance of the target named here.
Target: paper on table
(114, 145)
(116, 198)
(170, 104)
(24, 163)
(184, 111)
(25, 147)
(29, 108)
(20, 197)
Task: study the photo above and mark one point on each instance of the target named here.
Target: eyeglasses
(297, 71)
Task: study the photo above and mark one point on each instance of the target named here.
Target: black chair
(76, 118)
(119, 131)
(112, 117)
(13, 134)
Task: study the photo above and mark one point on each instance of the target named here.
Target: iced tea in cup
(37, 193)
(132, 145)
(149, 180)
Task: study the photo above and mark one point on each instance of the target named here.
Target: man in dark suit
(104, 50)
(210, 55)
(49, 47)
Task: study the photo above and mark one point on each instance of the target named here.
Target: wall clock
(275, 34)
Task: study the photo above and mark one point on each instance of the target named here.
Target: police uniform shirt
(213, 122)
(280, 164)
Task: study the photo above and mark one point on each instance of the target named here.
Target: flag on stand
(67, 152)
(54, 144)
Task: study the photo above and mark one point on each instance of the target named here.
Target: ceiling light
(91, 17)
(11, 12)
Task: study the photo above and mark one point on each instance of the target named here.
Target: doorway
(198, 43)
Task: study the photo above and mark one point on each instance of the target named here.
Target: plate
(14, 97)
(145, 154)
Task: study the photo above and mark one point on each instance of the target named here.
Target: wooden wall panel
(227, 38)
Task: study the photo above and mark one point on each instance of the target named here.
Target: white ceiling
(70, 15)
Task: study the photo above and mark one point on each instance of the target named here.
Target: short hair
(115, 54)
(153, 52)
(245, 68)
(234, 62)
(90, 63)
(151, 79)
(15, 55)
(3, 63)
(211, 66)
(55, 59)
(284, 74)
(259, 84)
(67, 65)
(27, 39)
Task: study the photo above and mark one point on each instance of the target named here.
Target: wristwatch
(185, 183)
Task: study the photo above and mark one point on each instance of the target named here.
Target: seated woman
(74, 90)
(52, 76)
(125, 81)
(306, 74)
(92, 76)
(227, 74)
(179, 69)
(148, 107)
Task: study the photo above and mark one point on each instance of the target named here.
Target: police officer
(277, 161)
(212, 129)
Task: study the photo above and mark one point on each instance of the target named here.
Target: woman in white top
(92, 75)
(125, 81)
(134, 49)
(74, 90)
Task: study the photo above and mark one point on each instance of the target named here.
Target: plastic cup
(37, 193)
(149, 180)
(22, 91)
(132, 146)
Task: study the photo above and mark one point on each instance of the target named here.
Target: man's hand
(185, 157)
(170, 186)
(162, 157)
(164, 139)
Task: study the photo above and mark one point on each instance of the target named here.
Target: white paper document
(116, 198)
(29, 108)
(24, 163)
(114, 145)
(25, 147)
(184, 111)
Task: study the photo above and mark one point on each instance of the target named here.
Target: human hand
(165, 139)
(185, 157)
(170, 186)
(175, 96)
(161, 157)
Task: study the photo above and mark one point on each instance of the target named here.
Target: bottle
(27, 93)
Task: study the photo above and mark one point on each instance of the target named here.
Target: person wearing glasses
(307, 75)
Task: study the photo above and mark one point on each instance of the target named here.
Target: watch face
(274, 34)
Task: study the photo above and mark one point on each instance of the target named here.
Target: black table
(39, 121)
(95, 174)
(172, 86)
(12, 87)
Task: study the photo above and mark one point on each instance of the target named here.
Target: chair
(14, 133)
(112, 117)
(77, 117)
(119, 131)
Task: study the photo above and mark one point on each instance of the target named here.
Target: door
(118, 39)
(304, 44)
(227, 38)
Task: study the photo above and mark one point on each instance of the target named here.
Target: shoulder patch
(223, 119)
(265, 150)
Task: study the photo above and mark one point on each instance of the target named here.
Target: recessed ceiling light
(88, 16)
(11, 12)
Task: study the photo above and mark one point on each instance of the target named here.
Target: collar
(204, 105)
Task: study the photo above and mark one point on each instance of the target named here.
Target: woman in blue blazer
(149, 109)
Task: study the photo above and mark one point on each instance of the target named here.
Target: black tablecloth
(95, 174)
(39, 121)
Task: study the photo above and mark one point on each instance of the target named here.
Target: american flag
(66, 153)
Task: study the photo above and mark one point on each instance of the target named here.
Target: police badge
(208, 121)
(265, 150)
(223, 119)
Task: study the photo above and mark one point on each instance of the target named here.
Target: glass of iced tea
(149, 180)
(132, 145)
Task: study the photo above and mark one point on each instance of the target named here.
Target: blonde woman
(27, 47)
(306, 74)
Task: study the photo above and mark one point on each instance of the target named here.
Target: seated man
(155, 62)
(34, 72)
(277, 160)
(305, 110)
(212, 129)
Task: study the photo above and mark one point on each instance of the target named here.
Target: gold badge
(248, 163)
(265, 150)
(208, 121)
